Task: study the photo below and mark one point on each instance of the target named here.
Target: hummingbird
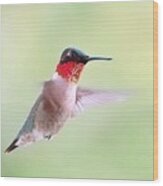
(61, 99)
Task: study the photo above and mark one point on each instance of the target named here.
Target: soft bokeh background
(108, 142)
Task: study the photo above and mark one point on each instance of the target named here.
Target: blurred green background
(107, 142)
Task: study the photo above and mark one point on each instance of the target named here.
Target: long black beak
(99, 58)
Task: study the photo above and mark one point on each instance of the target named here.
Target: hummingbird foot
(48, 137)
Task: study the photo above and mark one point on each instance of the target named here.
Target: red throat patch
(70, 71)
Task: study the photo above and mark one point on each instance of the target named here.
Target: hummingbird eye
(75, 56)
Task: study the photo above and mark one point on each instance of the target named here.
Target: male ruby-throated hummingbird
(61, 99)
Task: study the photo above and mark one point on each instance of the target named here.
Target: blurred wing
(86, 98)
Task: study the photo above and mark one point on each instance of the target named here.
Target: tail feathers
(12, 146)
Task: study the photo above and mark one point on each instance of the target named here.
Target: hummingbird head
(72, 62)
(74, 55)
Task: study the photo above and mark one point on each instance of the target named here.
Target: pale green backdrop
(107, 142)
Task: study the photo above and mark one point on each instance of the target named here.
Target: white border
(71, 182)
